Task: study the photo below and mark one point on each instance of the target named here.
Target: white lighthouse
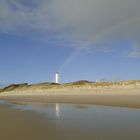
(57, 77)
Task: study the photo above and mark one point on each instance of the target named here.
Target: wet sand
(17, 125)
(76, 122)
(125, 97)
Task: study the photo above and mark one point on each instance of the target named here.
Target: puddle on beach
(84, 122)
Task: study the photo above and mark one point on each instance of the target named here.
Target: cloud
(89, 18)
(95, 22)
(135, 52)
(17, 17)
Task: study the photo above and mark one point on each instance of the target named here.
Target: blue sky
(81, 39)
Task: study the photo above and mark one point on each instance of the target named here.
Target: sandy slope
(112, 96)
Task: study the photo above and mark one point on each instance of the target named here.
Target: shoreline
(122, 97)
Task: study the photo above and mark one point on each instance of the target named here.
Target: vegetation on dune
(81, 82)
(14, 86)
(77, 84)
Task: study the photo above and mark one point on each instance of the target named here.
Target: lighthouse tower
(57, 77)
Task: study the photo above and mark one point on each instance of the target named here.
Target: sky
(81, 39)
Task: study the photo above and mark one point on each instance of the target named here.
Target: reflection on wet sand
(57, 108)
(68, 121)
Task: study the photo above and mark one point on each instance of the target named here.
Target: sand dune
(73, 85)
(126, 93)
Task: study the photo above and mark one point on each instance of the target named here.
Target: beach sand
(76, 122)
(18, 125)
(125, 97)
